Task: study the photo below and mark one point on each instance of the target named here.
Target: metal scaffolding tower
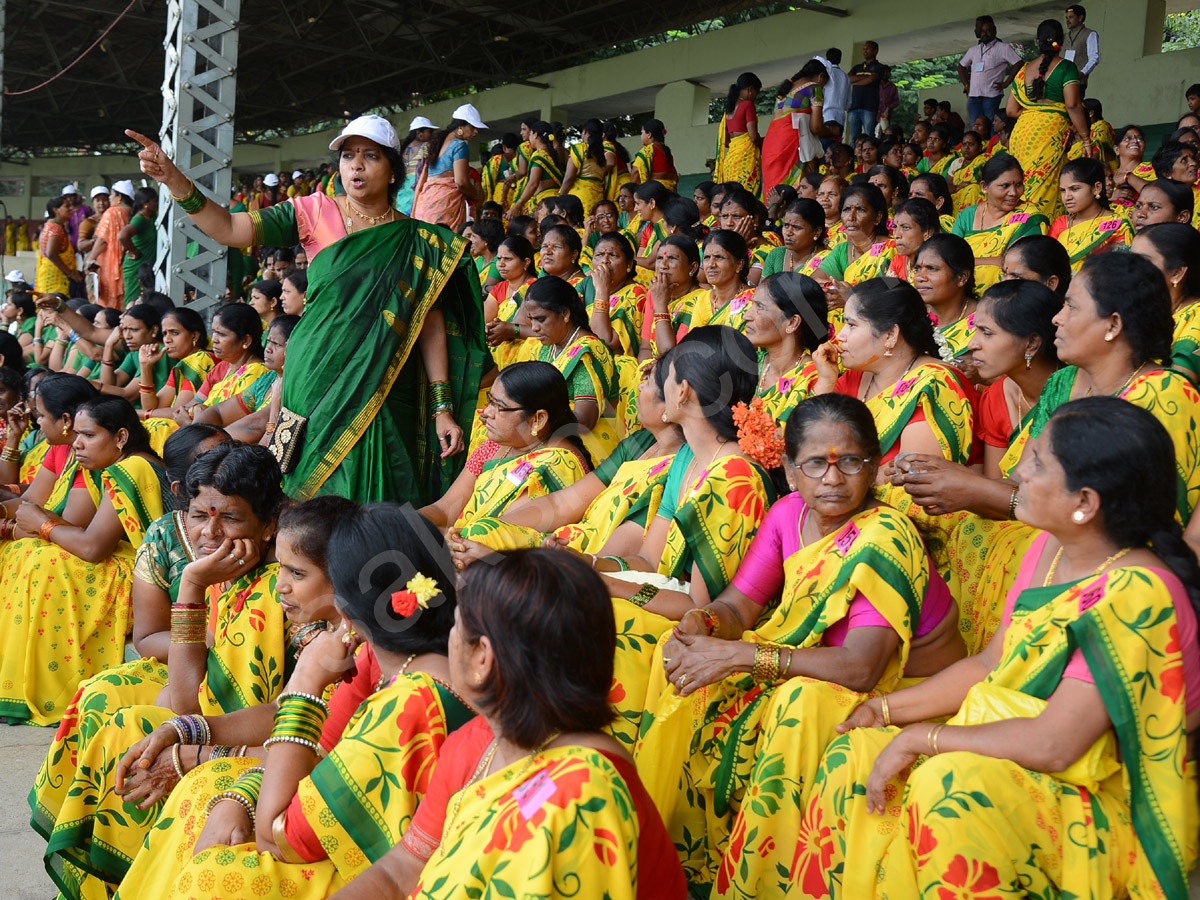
(199, 84)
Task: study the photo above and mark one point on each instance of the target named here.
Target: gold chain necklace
(765, 367)
(372, 220)
(1100, 568)
(383, 679)
(1128, 381)
(482, 770)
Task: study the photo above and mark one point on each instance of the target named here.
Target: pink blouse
(760, 576)
(1077, 666)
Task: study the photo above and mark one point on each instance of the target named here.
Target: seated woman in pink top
(835, 599)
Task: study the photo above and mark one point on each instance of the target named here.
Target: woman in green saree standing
(380, 285)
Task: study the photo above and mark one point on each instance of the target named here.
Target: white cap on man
(375, 128)
(420, 122)
(469, 114)
(99, 189)
(15, 276)
(69, 189)
(124, 187)
(271, 179)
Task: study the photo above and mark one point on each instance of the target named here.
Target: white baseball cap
(376, 128)
(271, 179)
(420, 122)
(70, 189)
(297, 174)
(468, 114)
(99, 189)
(124, 187)
(15, 276)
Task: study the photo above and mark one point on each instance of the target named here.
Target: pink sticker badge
(738, 304)
(785, 385)
(846, 539)
(575, 351)
(613, 302)
(1018, 218)
(1092, 595)
(903, 387)
(533, 794)
(1110, 225)
(518, 475)
(659, 466)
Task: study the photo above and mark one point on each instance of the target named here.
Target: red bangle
(48, 526)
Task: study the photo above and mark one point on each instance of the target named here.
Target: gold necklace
(687, 473)
(383, 679)
(554, 347)
(372, 220)
(1104, 565)
(1128, 381)
(765, 368)
(482, 770)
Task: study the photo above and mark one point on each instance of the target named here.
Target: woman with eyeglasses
(532, 447)
(747, 689)
(1066, 761)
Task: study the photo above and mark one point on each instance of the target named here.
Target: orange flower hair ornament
(758, 435)
(416, 594)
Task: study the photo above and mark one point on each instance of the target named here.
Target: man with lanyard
(986, 70)
(1081, 45)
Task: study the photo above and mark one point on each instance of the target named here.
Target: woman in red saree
(791, 139)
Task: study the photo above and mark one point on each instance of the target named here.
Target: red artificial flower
(404, 603)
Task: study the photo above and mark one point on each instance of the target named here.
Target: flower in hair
(971, 320)
(419, 591)
(935, 320)
(758, 435)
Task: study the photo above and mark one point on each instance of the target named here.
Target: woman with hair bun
(532, 798)
(716, 493)
(588, 166)
(1045, 101)
(654, 161)
(387, 570)
(1089, 226)
(739, 157)
(791, 145)
(546, 166)
(1065, 759)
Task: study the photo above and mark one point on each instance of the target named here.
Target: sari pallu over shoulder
(716, 737)
(354, 806)
(361, 385)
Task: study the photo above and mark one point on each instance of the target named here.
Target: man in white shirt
(986, 70)
(1081, 45)
(837, 91)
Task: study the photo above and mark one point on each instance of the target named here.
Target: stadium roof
(303, 62)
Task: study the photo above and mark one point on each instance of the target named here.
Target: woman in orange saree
(790, 143)
(107, 254)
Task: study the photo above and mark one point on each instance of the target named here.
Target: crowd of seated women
(837, 542)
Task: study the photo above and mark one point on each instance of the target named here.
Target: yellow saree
(704, 312)
(1117, 827)
(725, 761)
(587, 365)
(544, 826)
(782, 396)
(1107, 231)
(92, 834)
(993, 242)
(1185, 342)
(1039, 138)
(503, 481)
(711, 529)
(738, 159)
(357, 802)
(967, 190)
(589, 180)
(250, 384)
(66, 619)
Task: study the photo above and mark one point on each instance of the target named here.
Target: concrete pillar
(552, 113)
(683, 108)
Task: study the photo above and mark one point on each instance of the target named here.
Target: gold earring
(665, 420)
(458, 133)
(478, 678)
(66, 430)
(1109, 336)
(887, 351)
(1028, 359)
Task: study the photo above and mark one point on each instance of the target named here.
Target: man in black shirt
(864, 93)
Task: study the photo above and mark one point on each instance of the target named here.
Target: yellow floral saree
(782, 396)
(738, 159)
(993, 242)
(732, 313)
(250, 384)
(711, 529)
(91, 832)
(562, 823)
(971, 825)
(723, 763)
(66, 619)
(625, 311)
(587, 365)
(589, 181)
(1039, 138)
(357, 802)
(1185, 342)
(966, 180)
(1099, 235)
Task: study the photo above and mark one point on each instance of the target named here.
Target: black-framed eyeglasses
(816, 466)
(498, 408)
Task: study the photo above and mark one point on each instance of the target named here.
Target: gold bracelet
(933, 739)
(887, 716)
(191, 187)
